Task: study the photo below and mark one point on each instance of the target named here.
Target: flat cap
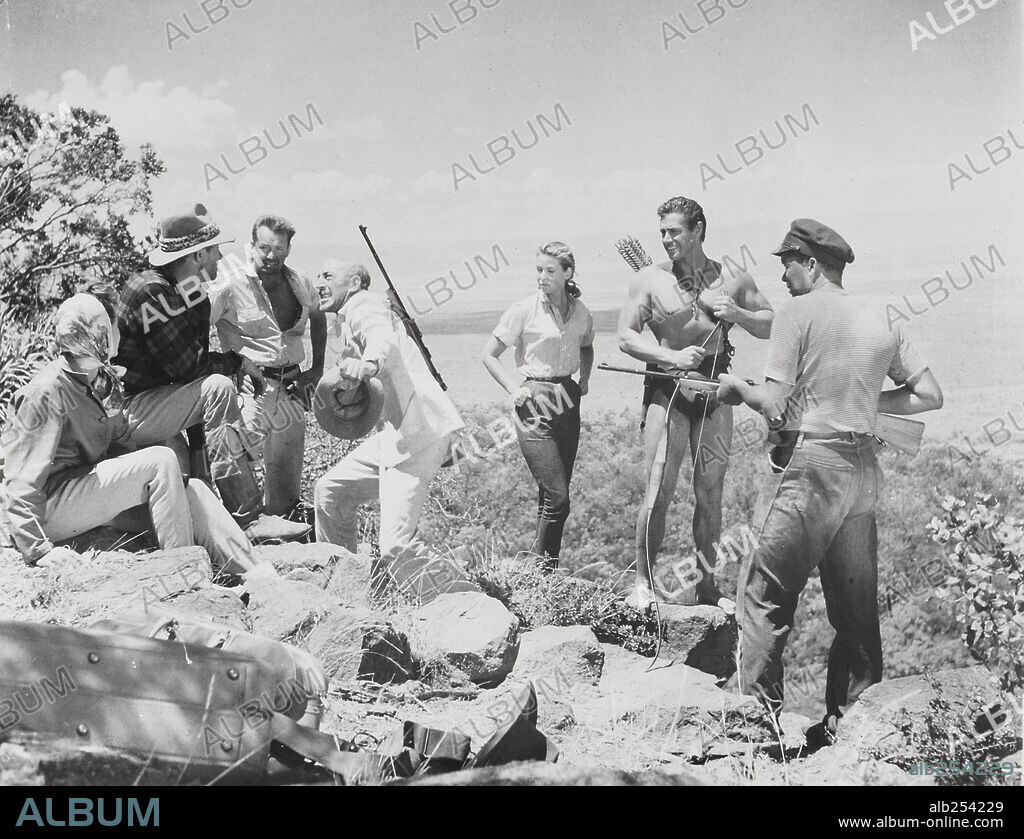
(812, 238)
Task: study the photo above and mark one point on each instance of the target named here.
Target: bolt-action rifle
(399, 308)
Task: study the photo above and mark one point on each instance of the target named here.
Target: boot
(241, 497)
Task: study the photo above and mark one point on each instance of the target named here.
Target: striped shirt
(546, 346)
(836, 352)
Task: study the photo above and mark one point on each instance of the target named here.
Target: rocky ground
(458, 662)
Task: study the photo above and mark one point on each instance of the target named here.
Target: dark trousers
(548, 428)
(819, 514)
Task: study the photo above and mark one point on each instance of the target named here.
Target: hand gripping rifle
(399, 308)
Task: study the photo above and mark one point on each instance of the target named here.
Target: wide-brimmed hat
(185, 233)
(346, 408)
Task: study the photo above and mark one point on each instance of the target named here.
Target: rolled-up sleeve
(30, 442)
(510, 327)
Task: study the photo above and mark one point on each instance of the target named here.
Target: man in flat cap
(414, 436)
(174, 382)
(828, 359)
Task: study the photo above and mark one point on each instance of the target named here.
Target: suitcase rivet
(82, 730)
(94, 658)
(227, 747)
(232, 674)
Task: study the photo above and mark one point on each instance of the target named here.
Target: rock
(281, 609)
(165, 574)
(355, 643)
(563, 655)
(538, 774)
(872, 724)
(840, 765)
(664, 705)
(220, 605)
(702, 637)
(424, 578)
(470, 631)
(319, 558)
(350, 580)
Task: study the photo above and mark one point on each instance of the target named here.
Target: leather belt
(550, 379)
(279, 372)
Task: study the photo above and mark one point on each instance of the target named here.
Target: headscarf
(83, 330)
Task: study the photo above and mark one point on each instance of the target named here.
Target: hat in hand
(346, 408)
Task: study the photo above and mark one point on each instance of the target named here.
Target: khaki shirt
(416, 411)
(241, 310)
(57, 430)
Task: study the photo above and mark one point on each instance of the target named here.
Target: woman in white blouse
(553, 335)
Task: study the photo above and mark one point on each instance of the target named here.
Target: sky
(372, 105)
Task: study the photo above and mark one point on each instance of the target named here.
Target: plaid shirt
(164, 340)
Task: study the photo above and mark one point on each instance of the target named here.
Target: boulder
(671, 706)
(220, 605)
(162, 575)
(424, 578)
(702, 637)
(560, 655)
(470, 631)
(874, 725)
(355, 643)
(281, 609)
(319, 558)
(349, 584)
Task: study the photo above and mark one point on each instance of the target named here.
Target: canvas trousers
(819, 513)
(89, 497)
(276, 422)
(156, 416)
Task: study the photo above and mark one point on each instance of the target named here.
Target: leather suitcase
(169, 702)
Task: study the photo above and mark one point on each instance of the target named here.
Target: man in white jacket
(412, 440)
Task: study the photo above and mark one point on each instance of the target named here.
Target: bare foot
(641, 599)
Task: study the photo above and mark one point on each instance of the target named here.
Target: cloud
(174, 119)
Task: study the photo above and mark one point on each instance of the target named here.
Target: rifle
(399, 309)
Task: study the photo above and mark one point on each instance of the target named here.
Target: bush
(985, 583)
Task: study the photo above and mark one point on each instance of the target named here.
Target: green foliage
(67, 192)
(986, 583)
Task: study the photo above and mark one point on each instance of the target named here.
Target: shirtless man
(689, 304)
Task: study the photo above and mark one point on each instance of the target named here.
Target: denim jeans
(548, 429)
(819, 513)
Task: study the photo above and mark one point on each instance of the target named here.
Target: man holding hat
(172, 380)
(381, 381)
(828, 358)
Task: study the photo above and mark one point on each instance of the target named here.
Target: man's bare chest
(285, 306)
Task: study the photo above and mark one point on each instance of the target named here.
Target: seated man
(173, 381)
(413, 439)
(62, 474)
(261, 310)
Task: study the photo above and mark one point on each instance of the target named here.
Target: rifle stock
(900, 433)
(398, 306)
